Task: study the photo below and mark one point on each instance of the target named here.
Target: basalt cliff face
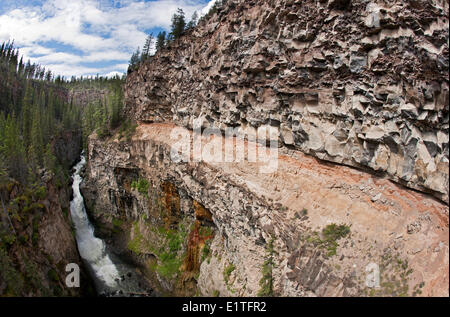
(357, 92)
(362, 83)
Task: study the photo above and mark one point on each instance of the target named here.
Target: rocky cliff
(320, 225)
(67, 147)
(82, 96)
(356, 82)
(357, 92)
(37, 241)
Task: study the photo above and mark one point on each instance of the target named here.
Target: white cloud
(97, 29)
(208, 7)
(73, 70)
(112, 74)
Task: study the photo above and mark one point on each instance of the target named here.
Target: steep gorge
(41, 241)
(357, 92)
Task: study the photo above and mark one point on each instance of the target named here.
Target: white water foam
(92, 249)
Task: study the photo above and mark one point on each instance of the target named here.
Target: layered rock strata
(284, 216)
(361, 83)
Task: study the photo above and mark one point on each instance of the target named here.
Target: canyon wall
(320, 225)
(357, 92)
(34, 256)
(361, 83)
(84, 96)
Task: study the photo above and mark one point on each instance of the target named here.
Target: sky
(87, 37)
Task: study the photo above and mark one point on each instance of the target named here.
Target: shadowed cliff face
(362, 83)
(67, 147)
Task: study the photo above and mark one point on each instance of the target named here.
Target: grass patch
(170, 260)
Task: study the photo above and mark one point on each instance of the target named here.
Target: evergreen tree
(33, 112)
(178, 24)
(48, 76)
(50, 162)
(134, 61)
(193, 21)
(37, 144)
(115, 107)
(161, 40)
(13, 149)
(27, 106)
(147, 47)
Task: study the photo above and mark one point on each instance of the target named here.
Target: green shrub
(266, 281)
(40, 192)
(53, 275)
(23, 239)
(127, 130)
(206, 251)
(8, 239)
(14, 279)
(330, 235)
(334, 232)
(141, 185)
(227, 272)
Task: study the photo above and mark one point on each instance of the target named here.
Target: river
(112, 277)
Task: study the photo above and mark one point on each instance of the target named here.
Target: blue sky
(87, 37)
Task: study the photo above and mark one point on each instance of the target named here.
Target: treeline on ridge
(163, 40)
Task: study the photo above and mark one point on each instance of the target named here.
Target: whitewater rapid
(92, 249)
(111, 277)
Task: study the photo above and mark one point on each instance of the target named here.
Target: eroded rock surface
(402, 231)
(362, 83)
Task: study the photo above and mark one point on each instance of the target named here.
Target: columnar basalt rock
(403, 232)
(361, 83)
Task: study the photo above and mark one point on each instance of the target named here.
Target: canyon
(356, 95)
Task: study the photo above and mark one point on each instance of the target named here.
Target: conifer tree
(160, 40)
(134, 61)
(13, 149)
(37, 143)
(147, 47)
(193, 21)
(49, 158)
(178, 24)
